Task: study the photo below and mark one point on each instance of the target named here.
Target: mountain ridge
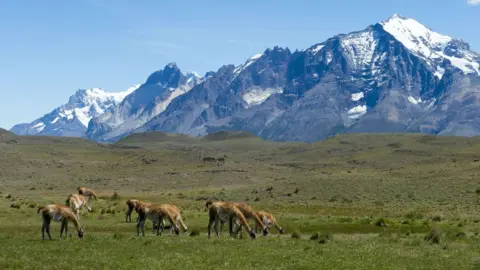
(396, 75)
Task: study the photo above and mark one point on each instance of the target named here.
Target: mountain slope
(150, 99)
(391, 77)
(72, 118)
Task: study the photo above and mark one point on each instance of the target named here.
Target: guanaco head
(209, 202)
(80, 232)
(39, 208)
(252, 234)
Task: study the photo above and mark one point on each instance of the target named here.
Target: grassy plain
(376, 195)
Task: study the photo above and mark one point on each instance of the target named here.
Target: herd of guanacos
(219, 213)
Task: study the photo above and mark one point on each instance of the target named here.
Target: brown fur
(87, 192)
(59, 213)
(77, 202)
(248, 213)
(269, 220)
(156, 213)
(223, 212)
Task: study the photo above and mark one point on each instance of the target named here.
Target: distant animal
(221, 160)
(77, 202)
(209, 159)
(89, 193)
(59, 213)
(225, 212)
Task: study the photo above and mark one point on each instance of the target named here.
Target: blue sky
(49, 49)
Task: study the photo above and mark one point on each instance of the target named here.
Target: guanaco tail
(59, 213)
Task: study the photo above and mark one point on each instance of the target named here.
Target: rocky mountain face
(394, 76)
(72, 118)
(150, 99)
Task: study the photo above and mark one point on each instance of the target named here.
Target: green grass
(378, 195)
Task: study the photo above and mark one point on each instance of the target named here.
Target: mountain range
(394, 76)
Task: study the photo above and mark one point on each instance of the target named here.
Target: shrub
(15, 205)
(257, 199)
(381, 222)
(414, 215)
(437, 218)
(296, 191)
(115, 196)
(296, 235)
(9, 196)
(315, 237)
(195, 232)
(434, 236)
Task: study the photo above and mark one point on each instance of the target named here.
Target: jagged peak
(171, 65)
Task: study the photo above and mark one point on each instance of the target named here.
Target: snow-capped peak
(250, 61)
(429, 45)
(414, 35)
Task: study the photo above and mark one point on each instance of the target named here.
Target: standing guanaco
(59, 213)
(87, 192)
(223, 212)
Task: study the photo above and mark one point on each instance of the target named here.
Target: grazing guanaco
(87, 192)
(269, 220)
(248, 213)
(77, 202)
(156, 213)
(223, 212)
(132, 204)
(59, 213)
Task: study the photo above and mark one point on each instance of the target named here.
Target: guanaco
(156, 213)
(248, 213)
(77, 202)
(132, 204)
(89, 193)
(269, 220)
(59, 213)
(223, 212)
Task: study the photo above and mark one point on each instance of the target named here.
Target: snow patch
(40, 126)
(357, 96)
(360, 47)
(317, 49)
(357, 112)
(414, 101)
(257, 96)
(250, 61)
(55, 120)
